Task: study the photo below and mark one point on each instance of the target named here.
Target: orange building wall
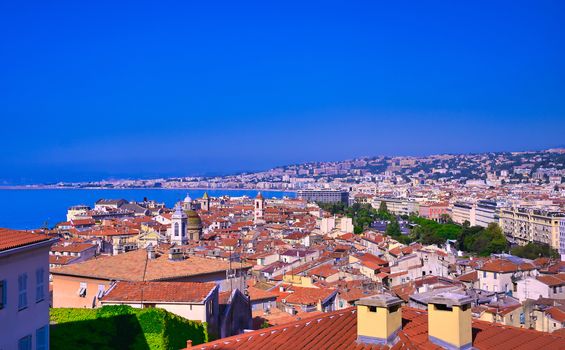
(65, 291)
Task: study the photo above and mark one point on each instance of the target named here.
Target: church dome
(187, 199)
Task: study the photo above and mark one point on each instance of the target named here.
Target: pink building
(433, 211)
(24, 290)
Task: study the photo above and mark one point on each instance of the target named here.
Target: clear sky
(92, 89)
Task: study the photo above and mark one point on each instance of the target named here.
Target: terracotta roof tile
(10, 239)
(190, 292)
(131, 267)
(338, 330)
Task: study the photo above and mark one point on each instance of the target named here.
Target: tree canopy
(534, 251)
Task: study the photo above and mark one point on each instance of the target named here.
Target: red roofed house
(501, 275)
(24, 289)
(67, 253)
(543, 286)
(191, 300)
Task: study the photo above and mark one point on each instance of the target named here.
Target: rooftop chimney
(449, 321)
(150, 252)
(175, 253)
(379, 318)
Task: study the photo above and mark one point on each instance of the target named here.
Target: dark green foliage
(122, 327)
(363, 215)
(393, 228)
(482, 241)
(534, 251)
(431, 232)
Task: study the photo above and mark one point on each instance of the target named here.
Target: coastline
(31, 188)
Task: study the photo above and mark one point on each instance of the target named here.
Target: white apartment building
(24, 290)
(397, 206)
(543, 286)
(461, 212)
(486, 212)
(501, 275)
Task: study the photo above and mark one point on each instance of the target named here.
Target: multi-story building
(461, 212)
(524, 225)
(501, 275)
(486, 212)
(24, 290)
(433, 211)
(562, 238)
(324, 196)
(397, 206)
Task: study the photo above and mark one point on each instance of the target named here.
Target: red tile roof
(552, 280)
(61, 259)
(173, 292)
(10, 239)
(72, 248)
(134, 266)
(260, 294)
(505, 266)
(469, 277)
(556, 314)
(338, 330)
(308, 296)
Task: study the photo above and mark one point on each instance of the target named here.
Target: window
(42, 338)
(25, 343)
(100, 293)
(3, 293)
(484, 274)
(39, 285)
(82, 290)
(176, 228)
(495, 275)
(22, 291)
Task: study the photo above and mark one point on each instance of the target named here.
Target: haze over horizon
(98, 90)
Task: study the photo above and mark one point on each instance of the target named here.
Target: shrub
(123, 327)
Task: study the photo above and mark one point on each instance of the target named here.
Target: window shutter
(40, 287)
(4, 293)
(41, 338)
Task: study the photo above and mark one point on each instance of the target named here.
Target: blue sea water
(28, 209)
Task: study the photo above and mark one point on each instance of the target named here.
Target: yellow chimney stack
(379, 318)
(449, 321)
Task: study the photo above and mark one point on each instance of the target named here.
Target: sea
(35, 208)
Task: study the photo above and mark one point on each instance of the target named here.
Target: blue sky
(101, 89)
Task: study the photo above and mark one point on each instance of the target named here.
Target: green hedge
(123, 327)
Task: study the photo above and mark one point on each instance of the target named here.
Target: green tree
(534, 251)
(383, 208)
(393, 228)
